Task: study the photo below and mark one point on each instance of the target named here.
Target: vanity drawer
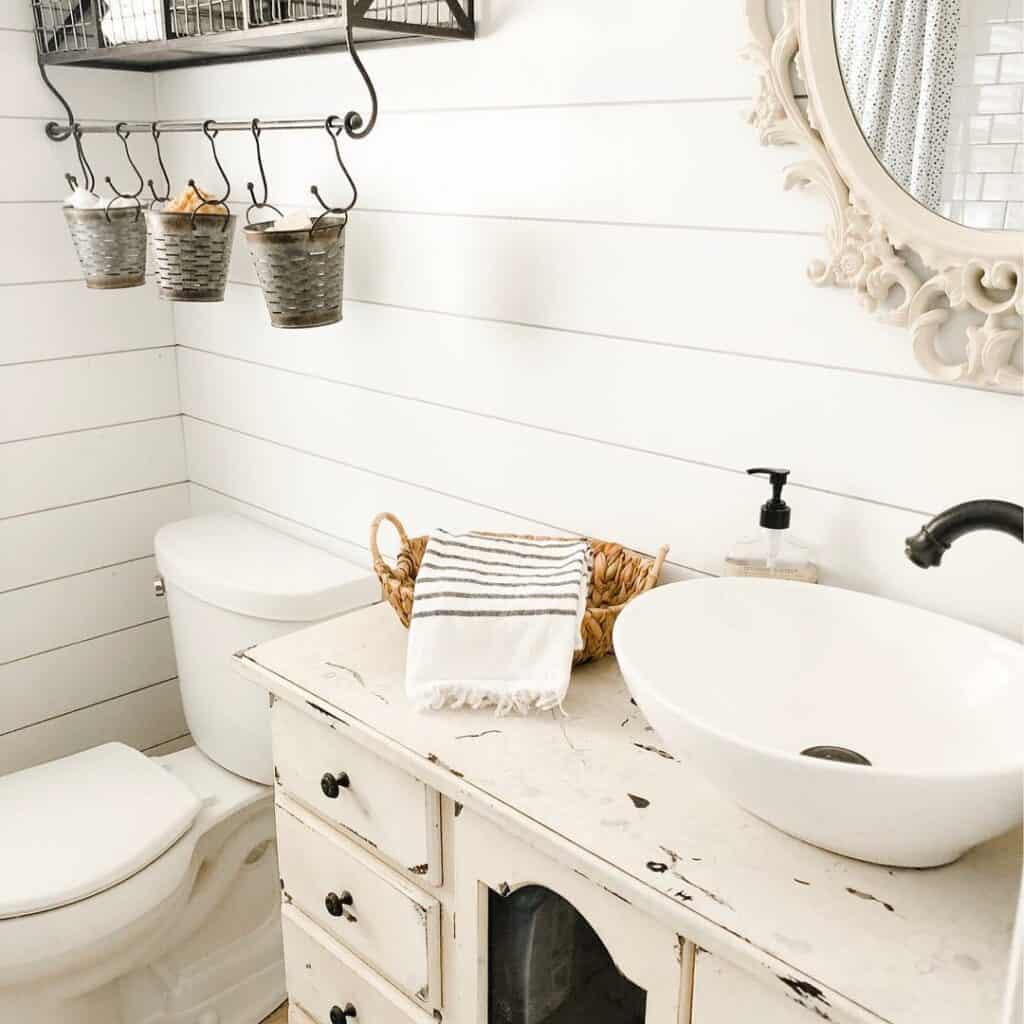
(395, 814)
(723, 994)
(388, 922)
(323, 974)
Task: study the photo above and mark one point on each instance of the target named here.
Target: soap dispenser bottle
(773, 553)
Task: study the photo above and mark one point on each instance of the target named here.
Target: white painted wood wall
(91, 449)
(575, 299)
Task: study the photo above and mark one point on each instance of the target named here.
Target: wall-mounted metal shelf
(186, 33)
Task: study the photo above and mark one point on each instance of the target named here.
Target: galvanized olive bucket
(110, 244)
(191, 254)
(301, 272)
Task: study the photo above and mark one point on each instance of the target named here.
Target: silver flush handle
(158, 586)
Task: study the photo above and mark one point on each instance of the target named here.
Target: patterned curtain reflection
(898, 59)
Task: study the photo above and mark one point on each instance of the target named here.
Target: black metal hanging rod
(293, 124)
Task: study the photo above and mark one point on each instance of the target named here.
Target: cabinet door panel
(723, 994)
(488, 860)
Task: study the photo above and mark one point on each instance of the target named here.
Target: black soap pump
(772, 553)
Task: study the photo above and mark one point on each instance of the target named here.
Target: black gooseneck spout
(926, 548)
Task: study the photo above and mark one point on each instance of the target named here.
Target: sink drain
(829, 753)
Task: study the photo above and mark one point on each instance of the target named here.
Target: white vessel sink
(741, 676)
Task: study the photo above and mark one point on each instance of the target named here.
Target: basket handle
(114, 199)
(379, 564)
(659, 561)
(342, 214)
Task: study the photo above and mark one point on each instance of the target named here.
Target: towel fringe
(475, 696)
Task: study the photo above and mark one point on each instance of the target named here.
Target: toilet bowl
(139, 890)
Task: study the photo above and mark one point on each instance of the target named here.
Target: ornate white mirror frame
(908, 265)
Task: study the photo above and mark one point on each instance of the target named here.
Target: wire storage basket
(62, 26)
(86, 26)
(110, 244)
(277, 12)
(301, 273)
(206, 17)
(412, 13)
(191, 254)
(132, 21)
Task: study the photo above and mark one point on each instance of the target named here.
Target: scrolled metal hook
(211, 134)
(89, 178)
(262, 204)
(123, 133)
(334, 127)
(355, 127)
(56, 132)
(155, 132)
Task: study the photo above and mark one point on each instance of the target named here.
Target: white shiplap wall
(575, 301)
(91, 448)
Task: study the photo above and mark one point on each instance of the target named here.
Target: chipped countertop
(853, 942)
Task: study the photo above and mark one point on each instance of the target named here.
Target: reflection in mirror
(546, 965)
(937, 87)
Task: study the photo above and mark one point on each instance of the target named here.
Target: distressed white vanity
(394, 827)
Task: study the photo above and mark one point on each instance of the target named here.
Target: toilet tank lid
(242, 566)
(79, 825)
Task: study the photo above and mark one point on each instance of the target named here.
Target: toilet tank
(231, 583)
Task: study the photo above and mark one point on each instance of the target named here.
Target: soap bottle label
(806, 573)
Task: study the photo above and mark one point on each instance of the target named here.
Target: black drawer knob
(332, 785)
(340, 1016)
(336, 904)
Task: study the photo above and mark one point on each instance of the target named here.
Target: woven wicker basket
(300, 272)
(191, 254)
(111, 245)
(619, 575)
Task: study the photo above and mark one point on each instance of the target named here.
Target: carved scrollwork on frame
(953, 288)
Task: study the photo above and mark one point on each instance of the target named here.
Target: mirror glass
(937, 87)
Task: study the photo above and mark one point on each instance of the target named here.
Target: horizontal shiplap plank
(70, 678)
(634, 164)
(639, 499)
(38, 172)
(16, 15)
(525, 53)
(52, 615)
(110, 95)
(706, 407)
(37, 319)
(733, 291)
(50, 257)
(50, 472)
(76, 394)
(76, 539)
(334, 500)
(206, 501)
(203, 501)
(143, 719)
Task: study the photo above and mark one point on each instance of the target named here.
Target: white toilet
(138, 890)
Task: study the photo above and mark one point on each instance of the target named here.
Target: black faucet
(927, 547)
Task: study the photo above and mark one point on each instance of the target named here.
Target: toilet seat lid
(76, 826)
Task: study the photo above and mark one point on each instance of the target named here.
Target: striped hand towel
(495, 620)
